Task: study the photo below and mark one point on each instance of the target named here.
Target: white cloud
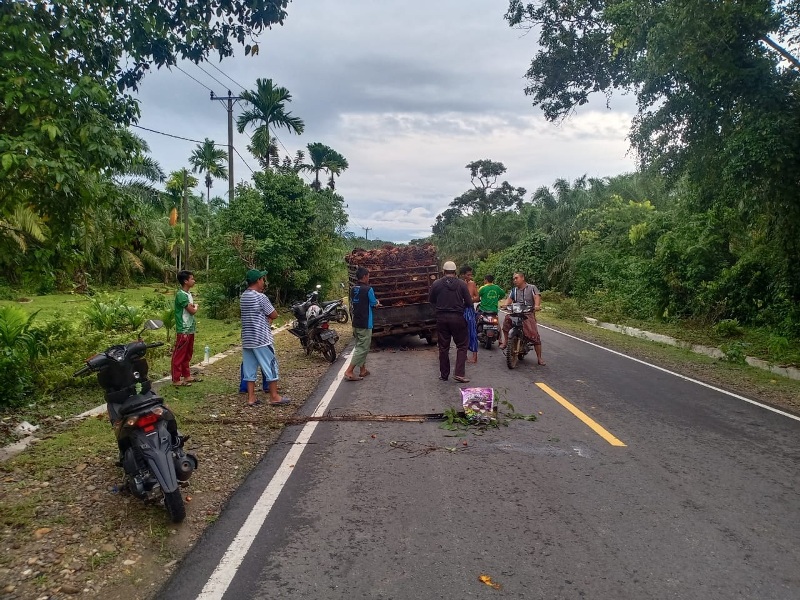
(409, 101)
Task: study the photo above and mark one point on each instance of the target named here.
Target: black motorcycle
(517, 345)
(488, 328)
(340, 314)
(312, 325)
(150, 446)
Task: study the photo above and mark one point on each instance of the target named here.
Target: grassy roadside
(68, 528)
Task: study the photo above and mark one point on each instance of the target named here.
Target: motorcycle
(340, 314)
(488, 329)
(150, 446)
(312, 325)
(517, 345)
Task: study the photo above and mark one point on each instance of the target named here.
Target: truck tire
(431, 339)
(513, 349)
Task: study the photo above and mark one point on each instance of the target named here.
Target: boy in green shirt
(490, 295)
(185, 309)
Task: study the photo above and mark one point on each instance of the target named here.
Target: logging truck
(401, 277)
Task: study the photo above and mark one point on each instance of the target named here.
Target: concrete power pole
(366, 232)
(228, 103)
(185, 220)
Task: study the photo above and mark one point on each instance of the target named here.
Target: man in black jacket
(451, 296)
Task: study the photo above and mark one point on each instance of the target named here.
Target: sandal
(281, 402)
(460, 379)
(181, 383)
(353, 377)
(256, 403)
(192, 380)
(363, 373)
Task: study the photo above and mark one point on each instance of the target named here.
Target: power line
(243, 160)
(226, 75)
(210, 75)
(190, 77)
(177, 137)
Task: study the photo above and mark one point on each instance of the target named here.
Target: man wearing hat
(451, 296)
(258, 345)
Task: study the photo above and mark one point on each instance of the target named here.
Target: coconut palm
(207, 158)
(267, 108)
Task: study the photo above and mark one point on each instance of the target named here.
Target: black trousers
(452, 325)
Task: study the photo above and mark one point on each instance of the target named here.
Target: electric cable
(190, 77)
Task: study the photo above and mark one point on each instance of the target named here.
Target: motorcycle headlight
(516, 307)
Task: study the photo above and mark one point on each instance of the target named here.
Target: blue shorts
(264, 357)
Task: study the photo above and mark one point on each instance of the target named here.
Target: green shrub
(568, 310)
(20, 346)
(728, 328)
(735, 352)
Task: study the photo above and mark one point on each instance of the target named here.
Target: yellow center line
(581, 415)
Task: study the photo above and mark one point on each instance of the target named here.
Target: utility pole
(185, 220)
(228, 103)
(366, 232)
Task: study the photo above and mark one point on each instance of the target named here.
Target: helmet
(449, 266)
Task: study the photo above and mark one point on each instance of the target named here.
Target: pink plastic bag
(478, 404)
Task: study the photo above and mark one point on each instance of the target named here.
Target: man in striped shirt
(257, 342)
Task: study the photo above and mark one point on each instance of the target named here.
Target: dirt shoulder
(71, 530)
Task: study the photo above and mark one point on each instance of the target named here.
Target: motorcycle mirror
(153, 324)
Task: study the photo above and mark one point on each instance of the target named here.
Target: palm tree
(267, 107)
(209, 159)
(336, 164)
(317, 154)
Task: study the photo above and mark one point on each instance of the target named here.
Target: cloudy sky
(409, 92)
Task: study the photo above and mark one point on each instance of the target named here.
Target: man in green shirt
(185, 309)
(490, 294)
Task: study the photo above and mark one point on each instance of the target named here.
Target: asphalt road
(699, 499)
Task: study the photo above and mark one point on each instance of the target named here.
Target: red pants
(182, 356)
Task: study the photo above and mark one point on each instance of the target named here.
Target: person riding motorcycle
(528, 295)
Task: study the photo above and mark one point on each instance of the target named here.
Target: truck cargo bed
(400, 320)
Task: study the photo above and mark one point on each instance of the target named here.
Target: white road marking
(709, 386)
(221, 578)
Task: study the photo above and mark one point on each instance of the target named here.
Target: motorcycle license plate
(327, 334)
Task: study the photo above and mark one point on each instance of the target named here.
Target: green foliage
(19, 348)
(109, 313)
(568, 310)
(734, 352)
(728, 328)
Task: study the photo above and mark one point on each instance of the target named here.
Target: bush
(728, 328)
(20, 346)
(568, 310)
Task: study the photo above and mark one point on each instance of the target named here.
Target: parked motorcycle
(488, 329)
(150, 446)
(340, 315)
(312, 325)
(517, 345)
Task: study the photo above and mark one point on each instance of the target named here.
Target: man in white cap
(451, 296)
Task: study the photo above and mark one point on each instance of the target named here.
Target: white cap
(449, 266)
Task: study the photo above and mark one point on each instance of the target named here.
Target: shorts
(264, 357)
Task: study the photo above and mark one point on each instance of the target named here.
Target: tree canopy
(718, 91)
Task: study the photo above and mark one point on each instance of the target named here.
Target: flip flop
(193, 380)
(353, 378)
(364, 373)
(256, 403)
(281, 402)
(181, 384)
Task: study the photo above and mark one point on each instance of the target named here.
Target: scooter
(488, 329)
(150, 446)
(340, 315)
(517, 345)
(312, 326)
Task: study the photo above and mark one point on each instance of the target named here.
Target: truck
(401, 277)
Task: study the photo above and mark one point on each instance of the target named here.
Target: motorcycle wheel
(342, 316)
(175, 506)
(513, 349)
(329, 352)
(488, 343)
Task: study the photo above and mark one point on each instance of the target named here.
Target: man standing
(362, 299)
(451, 296)
(528, 295)
(257, 341)
(185, 309)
